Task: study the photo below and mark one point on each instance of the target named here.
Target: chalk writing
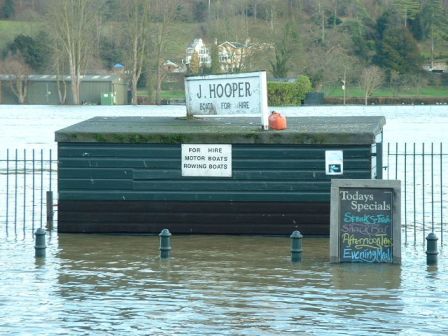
(381, 240)
(367, 219)
(363, 229)
(366, 225)
(368, 255)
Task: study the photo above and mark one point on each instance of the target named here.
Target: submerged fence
(27, 176)
(27, 179)
(424, 183)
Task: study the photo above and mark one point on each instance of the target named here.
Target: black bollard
(40, 245)
(431, 249)
(296, 246)
(165, 244)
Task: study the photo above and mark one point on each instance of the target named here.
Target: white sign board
(242, 93)
(334, 162)
(207, 160)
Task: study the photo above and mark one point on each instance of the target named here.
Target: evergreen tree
(35, 51)
(284, 48)
(398, 51)
(216, 65)
(431, 23)
(8, 9)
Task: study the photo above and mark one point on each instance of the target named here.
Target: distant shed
(131, 174)
(46, 90)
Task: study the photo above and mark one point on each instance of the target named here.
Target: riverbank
(332, 100)
(414, 100)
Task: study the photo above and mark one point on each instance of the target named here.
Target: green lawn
(9, 29)
(337, 92)
(171, 94)
(429, 91)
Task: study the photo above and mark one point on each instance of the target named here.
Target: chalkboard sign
(365, 223)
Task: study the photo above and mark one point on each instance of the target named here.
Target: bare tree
(71, 24)
(371, 79)
(164, 15)
(136, 20)
(61, 83)
(18, 72)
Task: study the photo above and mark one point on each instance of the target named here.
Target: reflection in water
(106, 284)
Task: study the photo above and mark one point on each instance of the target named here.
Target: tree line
(332, 42)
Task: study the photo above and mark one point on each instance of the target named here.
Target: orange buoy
(277, 121)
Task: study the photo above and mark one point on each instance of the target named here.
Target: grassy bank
(10, 29)
(357, 92)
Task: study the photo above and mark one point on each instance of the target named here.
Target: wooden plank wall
(274, 189)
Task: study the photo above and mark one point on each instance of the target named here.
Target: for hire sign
(214, 160)
(243, 93)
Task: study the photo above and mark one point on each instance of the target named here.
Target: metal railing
(421, 168)
(27, 179)
(27, 176)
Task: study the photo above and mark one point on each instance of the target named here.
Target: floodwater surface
(212, 285)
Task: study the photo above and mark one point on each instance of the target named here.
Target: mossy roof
(231, 130)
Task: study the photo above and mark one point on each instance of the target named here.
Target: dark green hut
(127, 174)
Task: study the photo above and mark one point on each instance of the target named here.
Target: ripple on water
(117, 284)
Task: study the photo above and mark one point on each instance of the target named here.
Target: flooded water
(212, 285)
(34, 125)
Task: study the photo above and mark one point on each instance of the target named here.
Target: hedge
(281, 94)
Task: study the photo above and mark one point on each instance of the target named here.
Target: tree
(371, 79)
(195, 63)
(284, 49)
(8, 9)
(35, 51)
(432, 23)
(164, 13)
(200, 11)
(214, 55)
(135, 19)
(60, 67)
(18, 72)
(407, 9)
(398, 51)
(111, 52)
(71, 24)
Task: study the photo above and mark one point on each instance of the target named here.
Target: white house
(232, 55)
(204, 55)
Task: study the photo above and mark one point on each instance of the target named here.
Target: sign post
(242, 93)
(365, 223)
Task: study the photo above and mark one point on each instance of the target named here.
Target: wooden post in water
(49, 210)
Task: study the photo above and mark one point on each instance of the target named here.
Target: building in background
(198, 46)
(233, 56)
(55, 90)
